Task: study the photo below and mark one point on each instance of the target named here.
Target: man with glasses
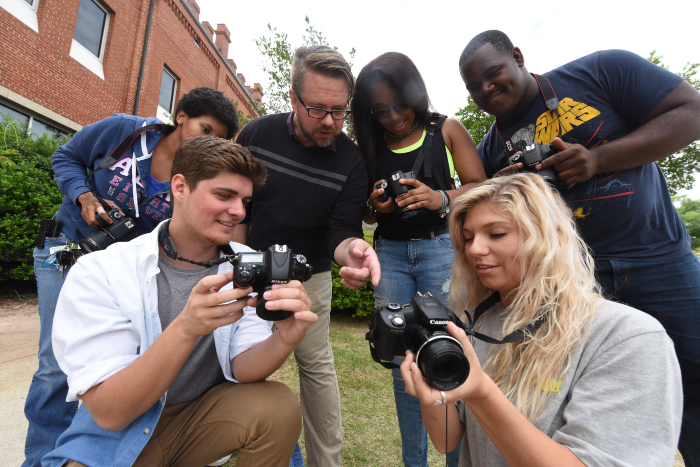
(313, 201)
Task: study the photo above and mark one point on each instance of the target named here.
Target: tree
(679, 168)
(277, 53)
(475, 120)
(689, 210)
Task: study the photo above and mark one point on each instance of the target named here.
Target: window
(29, 124)
(166, 100)
(39, 128)
(90, 36)
(19, 116)
(23, 10)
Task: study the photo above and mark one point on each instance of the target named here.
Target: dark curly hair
(399, 72)
(208, 101)
(500, 41)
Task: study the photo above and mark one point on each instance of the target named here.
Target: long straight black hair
(399, 72)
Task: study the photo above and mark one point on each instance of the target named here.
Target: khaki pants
(320, 399)
(260, 420)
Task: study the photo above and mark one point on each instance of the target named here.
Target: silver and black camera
(276, 265)
(534, 154)
(393, 188)
(122, 229)
(421, 327)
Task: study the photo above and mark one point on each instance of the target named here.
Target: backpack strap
(432, 124)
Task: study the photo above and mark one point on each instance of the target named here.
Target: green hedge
(28, 195)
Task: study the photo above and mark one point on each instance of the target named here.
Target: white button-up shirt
(107, 315)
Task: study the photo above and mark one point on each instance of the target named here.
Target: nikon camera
(276, 265)
(392, 187)
(122, 229)
(532, 155)
(421, 327)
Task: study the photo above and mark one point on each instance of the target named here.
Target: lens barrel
(442, 361)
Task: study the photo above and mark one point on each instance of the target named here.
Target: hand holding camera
(277, 265)
(380, 199)
(420, 196)
(92, 210)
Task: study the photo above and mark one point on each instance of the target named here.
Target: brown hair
(321, 59)
(205, 157)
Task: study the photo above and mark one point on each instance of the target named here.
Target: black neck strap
(169, 248)
(120, 150)
(482, 308)
(550, 100)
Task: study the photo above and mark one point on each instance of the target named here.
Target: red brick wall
(39, 67)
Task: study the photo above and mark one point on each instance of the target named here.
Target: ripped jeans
(409, 267)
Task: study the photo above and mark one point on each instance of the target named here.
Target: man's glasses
(386, 113)
(319, 113)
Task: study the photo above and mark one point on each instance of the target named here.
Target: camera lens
(443, 363)
(96, 241)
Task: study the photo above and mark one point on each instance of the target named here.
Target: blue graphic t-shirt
(604, 96)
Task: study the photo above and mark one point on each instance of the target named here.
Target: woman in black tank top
(396, 133)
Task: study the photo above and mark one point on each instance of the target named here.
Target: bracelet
(445, 209)
(448, 199)
(371, 209)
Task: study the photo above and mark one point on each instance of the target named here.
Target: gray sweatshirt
(620, 403)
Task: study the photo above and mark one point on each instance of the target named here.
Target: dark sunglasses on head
(319, 113)
(386, 113)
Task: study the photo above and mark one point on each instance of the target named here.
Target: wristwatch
(371, 209)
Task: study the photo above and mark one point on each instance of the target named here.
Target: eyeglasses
(386, 113)
(319, 113)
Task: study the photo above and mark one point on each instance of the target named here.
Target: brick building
(67, 63)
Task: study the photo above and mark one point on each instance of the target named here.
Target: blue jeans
(297, 459)
(46, 408)
(409, 267)
(670, 292)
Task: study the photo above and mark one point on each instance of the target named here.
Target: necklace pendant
(401, 139)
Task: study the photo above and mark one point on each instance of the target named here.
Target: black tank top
(390, 226)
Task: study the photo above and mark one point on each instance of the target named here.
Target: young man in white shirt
(156, 365)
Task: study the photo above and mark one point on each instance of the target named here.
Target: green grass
(370, 429)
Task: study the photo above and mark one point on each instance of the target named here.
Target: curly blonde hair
(557, 281)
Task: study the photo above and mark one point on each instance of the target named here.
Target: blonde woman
(597, 384)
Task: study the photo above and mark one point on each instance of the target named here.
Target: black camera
(421, 327)
(532, 155)
(276, 265)
(122, 229)
(392, 187)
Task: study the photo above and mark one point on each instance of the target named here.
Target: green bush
(360, 300)
(28, 195)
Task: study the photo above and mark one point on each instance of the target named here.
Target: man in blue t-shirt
(617, 115)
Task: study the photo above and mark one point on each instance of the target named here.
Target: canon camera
(276, 265)
(534, 154)
(122, 229)
(421, 327)
(393, 188)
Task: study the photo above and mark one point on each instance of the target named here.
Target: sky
(433, 34)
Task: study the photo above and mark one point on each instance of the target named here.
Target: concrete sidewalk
(19, 341)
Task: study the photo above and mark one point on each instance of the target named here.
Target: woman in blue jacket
(137, 184)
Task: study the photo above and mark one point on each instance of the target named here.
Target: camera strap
(514, 336)
(120, 150)
(432, 124)
(169, 248)
(550, 100)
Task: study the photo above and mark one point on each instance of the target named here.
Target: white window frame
(22, 11)
(83, 55)
(162, 114)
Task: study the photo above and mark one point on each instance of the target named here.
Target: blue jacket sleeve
(85, 151)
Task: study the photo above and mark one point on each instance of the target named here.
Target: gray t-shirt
(619, 404)
(201, 370)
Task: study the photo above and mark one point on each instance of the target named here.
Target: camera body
(393, 188)
(421, 327)
(532, 155)
(122, 229)
(276, 265)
